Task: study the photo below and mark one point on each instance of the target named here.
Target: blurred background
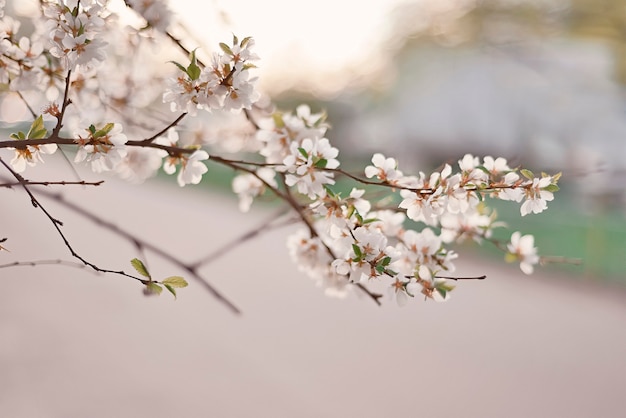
(539, 82)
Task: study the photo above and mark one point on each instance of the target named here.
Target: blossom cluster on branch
(112, 121)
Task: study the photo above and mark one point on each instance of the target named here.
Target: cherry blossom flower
(312, 258)
(191, 167)
(248, 186)
(537, 196)
(284, 129)
(385, 169)
(433, 288)
(306, 165)
(522, 248)
(30, 155)
(402, 290)
(497, 166)
(104, 148)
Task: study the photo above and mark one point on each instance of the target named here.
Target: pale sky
(316, 38)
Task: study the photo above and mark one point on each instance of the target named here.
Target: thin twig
(191, 269)
(265, 226)
(58, 224)
(52, 183)
(47, 262)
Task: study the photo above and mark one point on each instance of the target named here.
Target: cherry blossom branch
(57, 225)
(164, 130)
(191, 268)
(66, 102)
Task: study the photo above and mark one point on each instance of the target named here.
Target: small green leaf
(527, 173)
(171, 289)
(330, 191)
(180, 67)
(193, 71)
(104, 131)
(303, 152)
(357, 251)
(175, 281)
(510, 258)
(321, 163)
(154, 288)
(36, 129)
(18, 136)
(140, 267)
(484, 169)
(226, 49)
(245, 41)
(551, 188)
(278, 120)
(235, 40)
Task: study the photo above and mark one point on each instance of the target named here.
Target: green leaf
(551, 188)
(510, 257)
(321, 163)
(484, 170)
(175, 281)
(193, 71)
(140, 267)
(245, 41)
(278, 120)
(18, 136)
(527, 173)
(357, 251)
(104, 131)
(303, 152)
(235, 40)
(154, 288)
(330, 191)
(180, 67)
(226, 49)
(36, 129)
(171, 289)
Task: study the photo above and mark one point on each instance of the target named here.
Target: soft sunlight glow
(318, 45)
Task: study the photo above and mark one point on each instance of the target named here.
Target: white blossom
(521, 248)
(104, 148)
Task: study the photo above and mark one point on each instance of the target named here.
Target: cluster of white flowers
(74, 29)
(373, 244)
(104, 148)
(224, 84)
(347, 241)
(21, 59)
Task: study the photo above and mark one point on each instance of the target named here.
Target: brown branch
(164, 130)
(57, 225)
(64, 105)
(47, 262)
(139, 243)
(483, 277)
(265, 226)
(51, 183)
